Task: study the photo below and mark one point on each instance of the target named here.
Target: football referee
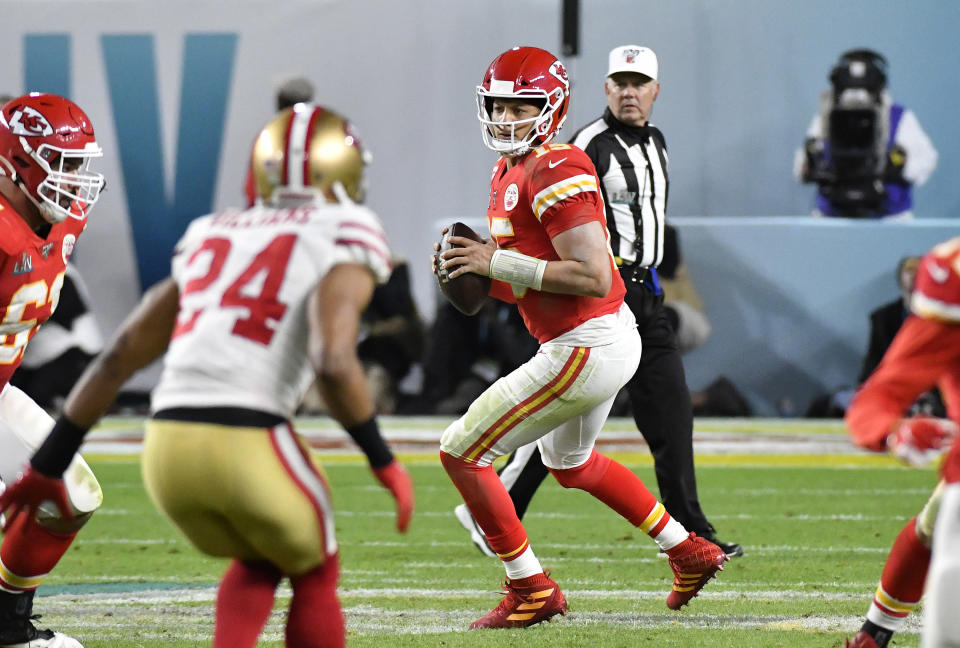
(630, 155)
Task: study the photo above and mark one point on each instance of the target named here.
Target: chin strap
(341, 193)
(48, 213)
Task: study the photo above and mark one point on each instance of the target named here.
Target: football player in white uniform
(260, 302)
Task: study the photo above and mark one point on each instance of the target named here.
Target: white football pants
(23, 427)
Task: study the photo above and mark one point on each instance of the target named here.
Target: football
(469, 291)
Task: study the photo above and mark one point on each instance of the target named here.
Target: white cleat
(476, 533)
(45, 639)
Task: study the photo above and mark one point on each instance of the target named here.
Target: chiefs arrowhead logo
(560, 72)
(28, 122)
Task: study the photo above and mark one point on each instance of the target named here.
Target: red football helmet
(46, 144)
(524, 73)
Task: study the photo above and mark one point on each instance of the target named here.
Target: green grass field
(816, 533)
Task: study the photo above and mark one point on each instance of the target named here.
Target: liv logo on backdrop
(156, 219)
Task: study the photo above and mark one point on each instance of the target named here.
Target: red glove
(29, 492)
(398, 481)
(919, 440)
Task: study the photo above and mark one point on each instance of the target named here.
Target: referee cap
(633, 58)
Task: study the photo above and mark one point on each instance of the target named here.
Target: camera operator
(864, 151)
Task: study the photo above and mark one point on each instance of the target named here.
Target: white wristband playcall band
(517, 269)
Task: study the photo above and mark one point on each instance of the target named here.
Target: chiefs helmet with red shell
(46, 144)
(524, 73)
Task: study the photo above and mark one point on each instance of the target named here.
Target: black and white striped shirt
(631, 163)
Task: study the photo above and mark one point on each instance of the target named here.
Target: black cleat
(732, 549)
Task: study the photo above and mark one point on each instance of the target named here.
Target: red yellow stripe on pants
(537, 401)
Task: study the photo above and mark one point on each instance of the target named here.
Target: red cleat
(537, 600)
(694, 562)
(860, 640)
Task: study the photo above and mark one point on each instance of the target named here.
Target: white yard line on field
(634, 548)
(150, 614)
(169, 596)
(602, 514)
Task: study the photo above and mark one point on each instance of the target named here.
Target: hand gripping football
(469, 291)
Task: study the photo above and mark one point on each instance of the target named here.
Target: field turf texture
(816, 528)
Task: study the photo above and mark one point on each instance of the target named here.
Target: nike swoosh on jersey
(554, 165)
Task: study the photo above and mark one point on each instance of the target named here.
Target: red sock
(611, 483)
(490, 504)
(315, 619)
(244, 602)
(29, 552)
(906, 568)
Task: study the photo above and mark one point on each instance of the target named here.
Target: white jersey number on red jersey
(24, 314)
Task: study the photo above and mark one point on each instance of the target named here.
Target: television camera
(848, 163)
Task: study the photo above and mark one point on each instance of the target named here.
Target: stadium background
(178, 89)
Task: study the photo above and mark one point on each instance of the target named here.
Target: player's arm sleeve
(568, 194)
(921, 353)
(360, 239)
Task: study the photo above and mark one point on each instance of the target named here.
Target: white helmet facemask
(70, 187)
(542, 123)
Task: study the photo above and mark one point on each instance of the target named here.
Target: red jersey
(924, 353)
(552, 189)
(31, 276)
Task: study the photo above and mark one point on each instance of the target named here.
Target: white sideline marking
(822, 491)
(122, 436)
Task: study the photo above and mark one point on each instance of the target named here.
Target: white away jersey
(245, 279)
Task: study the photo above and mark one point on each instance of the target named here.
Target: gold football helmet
(307, 154)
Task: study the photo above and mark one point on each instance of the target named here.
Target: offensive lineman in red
(549, 252)
(46, 191)
(925, 353)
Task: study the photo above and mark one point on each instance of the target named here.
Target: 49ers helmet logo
(29, 122)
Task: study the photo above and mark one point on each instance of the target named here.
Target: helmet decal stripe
(312, 121)
(297, 147)
(286, 151)
(304, 155)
